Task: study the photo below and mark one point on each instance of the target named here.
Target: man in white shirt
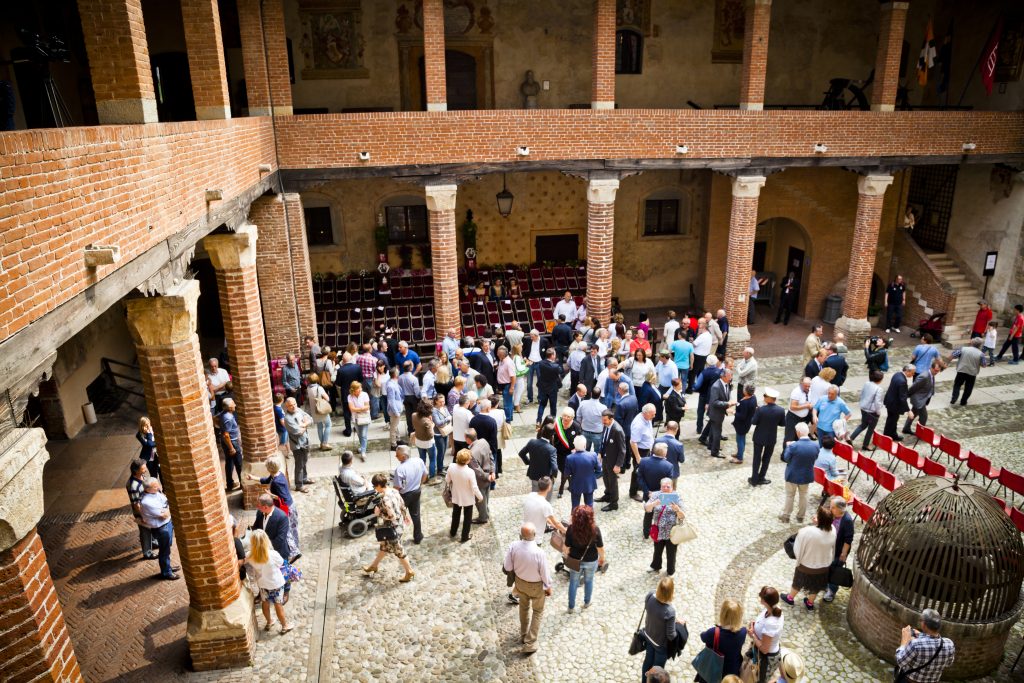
(216, 379)
(746, 371)
(566, 307)
(349, 477)
(529, 565)
(539, 512)
(534, 358)
(670, 330)
(461, 416)
(703, 344)
(410, 475)
(581, 314)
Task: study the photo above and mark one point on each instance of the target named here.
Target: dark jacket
(481, 362)
(921, 391)
(675, 405)
(676, 454)
(706, 379)
(651, 471)
(767, 419)
(561, 336)
(562, 450)
(648, 394)
(276, 529)
(839, 364)
(896, 395)
(544, 341)
(844, 533)
(877, 360)
(799, 457)
(615, 447)
(343, 378)
(588, 376)
(811, 369)
(718, 401)
(626, 409)
(486, 430)
(549, 376)
(745, 410)
(540, 458)
(583, 468)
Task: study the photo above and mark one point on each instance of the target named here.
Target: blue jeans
(440, 446)
(588, 498)
(741, 445)
(233, 463)
(531, 374)
(164, 537)
(506, 401)
(323, 431)
(363, 431)
(684, 374)
(427, 456)
(587, 569)
(593, 441)
(655, 656)
(383, 409)
(374, 403)
(545, 398)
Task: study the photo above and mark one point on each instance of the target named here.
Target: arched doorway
(781, 245)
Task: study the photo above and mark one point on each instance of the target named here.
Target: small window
(661, 217)
(407, 224)
(629, 51)
(319, 229)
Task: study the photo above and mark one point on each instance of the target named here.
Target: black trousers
(1013, 342)
(785, 308)
(714, 436)
(611, 484)
(921, 415)
(634, 484)
(966, 381)
(698, 367)
(789, 433)
(702, 404)
(762, 458)
(893, 316)
(868, 422)
(667, 547)
(466, 514)
(410, 403)
(892, 419)
(412, 503)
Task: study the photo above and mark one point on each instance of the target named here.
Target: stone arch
(781, 234)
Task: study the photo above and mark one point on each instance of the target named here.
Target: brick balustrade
(746, 190)
(206, 59)
(234, 258)
(433, 55)
(890, 52)
(755, 54)
(602, 88)
(220, 624)
(600, 246)
(444, 256)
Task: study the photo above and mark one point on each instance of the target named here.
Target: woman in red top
(1013, 339)
(981, 320)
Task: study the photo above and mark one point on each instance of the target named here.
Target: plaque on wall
(727, 42)
(1010, 57)
(332, 39)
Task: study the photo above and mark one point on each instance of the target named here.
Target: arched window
(629, 51)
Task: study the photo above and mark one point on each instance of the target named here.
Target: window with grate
(629, 51)
(661, 217)
(407, 224)
(931, 198)
(319, 229)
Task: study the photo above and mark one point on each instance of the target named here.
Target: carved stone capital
(602, 190)
(440, 197)
(873, 185)
(748, 185)
(167, 319)
(234, 251)
(22, 456)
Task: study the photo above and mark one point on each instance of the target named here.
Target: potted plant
(380, 238)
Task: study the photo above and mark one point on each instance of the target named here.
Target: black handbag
(640, 640)
(788, 547)
(386, 533)
(839, 575)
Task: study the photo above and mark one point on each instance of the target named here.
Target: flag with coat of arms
(927, 58)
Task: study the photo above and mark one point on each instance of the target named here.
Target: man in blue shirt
(404, 354)
(582, 468)
(641, 439)
(829, 409)
(410, 474)
(156, 515)
(393, 390)
(682, 356)
(232, 444)
(799, 457)
(450, 344)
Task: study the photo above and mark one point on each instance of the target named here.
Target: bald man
(527, 564)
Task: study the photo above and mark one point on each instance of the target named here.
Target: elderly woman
(583, 544)
(522, 369)
(264, 565)
(322, 420)
(666, 513)
(814, 549)
(359, 405)
(461, 480)
(457, 390)
(766, 634)
(820, 384)
(392, 516)
(727, 638)
(660, 624)
(282, 494)
(147, 440)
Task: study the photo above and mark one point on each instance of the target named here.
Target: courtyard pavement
(452, 622)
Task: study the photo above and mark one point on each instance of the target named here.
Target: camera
(51, 49)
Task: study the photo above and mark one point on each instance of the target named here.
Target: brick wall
(401, 138)
(250, 28)
(600, 252)
(35, 644)
(205, 58)
(755, 53)
(132, 186)
(274, 270)
(603, 55)
(928, 284)
(115, 39)
(890, 50)
(303, 277)
(277, 56)
(433, 52)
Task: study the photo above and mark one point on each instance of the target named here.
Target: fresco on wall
(730, 18)
(332, 39)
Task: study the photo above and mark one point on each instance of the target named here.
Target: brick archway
(782, 236)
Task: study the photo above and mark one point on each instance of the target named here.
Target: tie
(604, 439)
(596, 371)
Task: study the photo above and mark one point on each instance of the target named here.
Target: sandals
(285, 629)
(267, 627)
(369, 569)
(407, 578)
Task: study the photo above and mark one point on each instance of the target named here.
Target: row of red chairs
(414, 323)
(538, 279)
(353, 289)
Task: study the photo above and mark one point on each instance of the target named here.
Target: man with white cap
(766, 421)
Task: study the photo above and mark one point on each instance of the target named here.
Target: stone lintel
(22, 456)
(167, 319)
(233, 251)
(440, 197)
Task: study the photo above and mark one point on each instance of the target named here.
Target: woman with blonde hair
(522, 370)
(146, 437)
(322, 420)
(443, 381)
(264, 565)
(359, 405)
(458, 388)
(660, 625)
(727, 638)
(460, 480)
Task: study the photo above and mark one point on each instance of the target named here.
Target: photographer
(923, 655)
(876, 353)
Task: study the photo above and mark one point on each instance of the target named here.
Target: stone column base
(739, 339)
(855, 329)
(223, 638)
(141, 110)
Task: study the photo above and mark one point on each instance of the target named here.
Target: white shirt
(819, 388)
(702, 344)
(670, 332)
(990, 338)
(612, 333)
(267, 575)
(528, 562)
(767, 625)
(799, 396)
(566, 308)
(534, 356)
(581, 315)
(460, 422)
(464, 487)
(219, 378)
(536, 510)
(602, 347)
(602, 378)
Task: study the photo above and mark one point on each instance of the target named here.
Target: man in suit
(626, 408)
(561, 337)
(274, 523)
(799, 457)
(590, 368)
(718, 405)
(895, 401)
(651, 471)
(549, 381)
(675, 454)
(482, 464)
(837, 362)
(579, 397)
(614, 446)
(702, 384)
(767, 420)
(814, 365)
(787, 298)
(675, 401)
(813, 342)
(611, 389)
(541, 461)
(583, 468)
(483, 363)
(920, 395)
(844, 539)
(347, 373)
(534, 347)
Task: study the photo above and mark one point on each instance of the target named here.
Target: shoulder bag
(901, 676)
(325, 379)
(506, 431)
(709, 663)
(446, 493)
(558, 541)
(654, 526)
(789, 545)
(683, 532)
(321, 405)
(571, 562)
(640, 639)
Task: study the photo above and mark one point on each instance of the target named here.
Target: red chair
(926, 434)
(954, 450)
(843, 450)
(1002, 503)
(936, 469)
(886, 444)
(1018, 518)
(910, 457)
(866, 465)
(886, 480)
(833, 488)
(1009, 480)
(819, 477)
(983, 466)
(862, 509)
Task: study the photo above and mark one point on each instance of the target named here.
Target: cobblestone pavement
(452, 622)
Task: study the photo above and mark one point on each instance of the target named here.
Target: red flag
(988, 58)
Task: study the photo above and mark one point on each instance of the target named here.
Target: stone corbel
(22, 456)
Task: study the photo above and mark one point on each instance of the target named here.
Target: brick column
(870, 197)
(746, 190)
(34, 645)
(234, 258)
(890, 50)
(206, 59)
(267, 85)
(282, 265)
(602, 91)
(115, 42)
(600, 247)
(433, 55)
(755, 54)
(221, 624)
(444, 256)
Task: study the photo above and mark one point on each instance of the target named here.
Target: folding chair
(926, 434)
(833, 488)
(886, 444)
(1013, 482)
(862, 509)
(910, 457)
(983, 466)
(1018, 518)
(935, 469)
(954, 450)
(819, 477)
(886, 480)
(864, 464)
(845, 451)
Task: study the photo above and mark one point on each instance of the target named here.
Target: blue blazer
(277, 530)
(650, 472)
(799, 457)
(675, 452)
(625, 410)
(583, 468)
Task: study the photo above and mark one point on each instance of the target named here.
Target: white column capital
(747, 185)
(873, 185)
(602, 190)
(441, 197)
(166, 319)
(236, 250)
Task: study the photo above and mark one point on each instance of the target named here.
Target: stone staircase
(960, 320)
